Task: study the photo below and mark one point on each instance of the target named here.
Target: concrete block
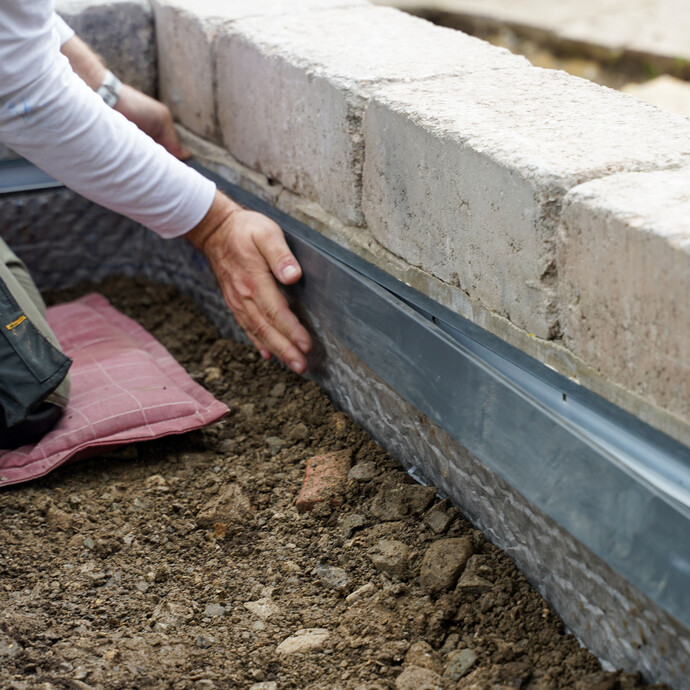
(121, 31)
(465, 177)
(292, 90)
(186, 31)
(624, 257)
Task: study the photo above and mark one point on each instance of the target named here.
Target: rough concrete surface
(624, 258)
(185, 35)
(121, 31)
(292, 90)
(465, 177)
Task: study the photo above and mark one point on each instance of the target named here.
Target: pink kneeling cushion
(126, 387)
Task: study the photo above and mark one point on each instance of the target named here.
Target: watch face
(110, 89)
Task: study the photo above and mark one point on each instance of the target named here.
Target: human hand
(153, 118)
(247, 252)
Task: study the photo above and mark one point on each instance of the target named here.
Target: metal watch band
(110, 89)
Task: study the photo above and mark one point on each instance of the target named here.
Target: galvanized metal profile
(18, 176)
(617, 485)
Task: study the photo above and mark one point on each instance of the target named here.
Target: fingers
(264, 314)
(246, 251)
(273, 247)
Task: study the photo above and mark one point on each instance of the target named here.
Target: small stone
(361, 593)
(392, 651)
(459, 664)
(76, 541)
(332, 576)
(363, 471)
(352, 523)
(298, 432)
(275, 444)
(204, 642)
(390, 556)
(443, 563)
(258, 625)
(451, 643)
(265, 685)
(437, 519)
(212, 374)
(324, 479)
(142, 586)
(89, 543)
(263, 608)
(220, 529)
(214, 611)
(306, 640)
(128, 539)
(422, 654)
(58, 519)
(111, 655)
(474, 579)
(290, 568)
(230, 506)
(248, 409)
(416, 678)
(8, 647)
(398, 499)
(157, 484)
(278, 391)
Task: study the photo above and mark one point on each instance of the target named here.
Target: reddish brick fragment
(325, 479)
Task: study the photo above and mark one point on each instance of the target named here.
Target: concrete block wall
(449, 163)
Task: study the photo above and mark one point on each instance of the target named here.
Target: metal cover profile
(619, 486)
(19, 176)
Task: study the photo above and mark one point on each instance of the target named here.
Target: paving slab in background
(657, 28)
(292, 90)
(185, 34)
(465, 177)
(665, 92)
(624, 257)
(121, 31)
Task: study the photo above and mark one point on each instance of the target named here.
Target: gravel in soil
(185, 563)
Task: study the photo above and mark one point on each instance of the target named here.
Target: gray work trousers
(15, 275)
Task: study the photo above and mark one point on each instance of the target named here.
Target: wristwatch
(110, 89)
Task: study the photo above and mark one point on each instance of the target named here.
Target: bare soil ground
(184, 563)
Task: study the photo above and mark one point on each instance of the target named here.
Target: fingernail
(296, 366)
(304, 346)
(290, 272)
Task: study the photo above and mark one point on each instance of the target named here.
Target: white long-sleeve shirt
(52, 118)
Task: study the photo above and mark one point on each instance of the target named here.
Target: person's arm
(51, 117)
(149, 115)
(246, 250)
